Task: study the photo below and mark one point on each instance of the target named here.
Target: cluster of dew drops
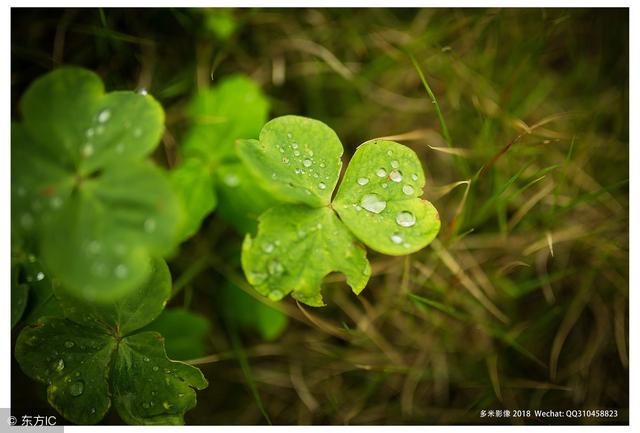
(375, 204)
(302, 161)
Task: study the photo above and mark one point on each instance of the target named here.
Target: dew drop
(281, 149)
(414, 176)
(121, 271)
(307, 162)
(396, 238)
(294, 145)
(385, 185)
(289, 135)
(104, 116)
(297, 171)
(145, 405)
(285, 160)
(143, 92)
(395, 164)
(39, 276)
(231, 180)
(405, 219)
(275, 268)
(149, 225)
(381, 172)
(396, 176)
(89, 132)
(76, 388)
(59, 365)
(389, 152)
(87, 150)
(408, 189)
(56, 202)
(406, 245)
(322, 165)
(268, 247)
(322, 185)
(275, 295)
(69, 344)
(146, 359)
(137, 132)
(363, 181)
(296, 153)
(373, 203)
(94, 247)
(258, 277)
(26, 220)
(274, 175)
(155, 368)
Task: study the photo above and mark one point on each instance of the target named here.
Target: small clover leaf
(94, 355)
(81, 187)
(296, 247)
(220, 115)
(378, 199)
(378, 202)
(299, 159)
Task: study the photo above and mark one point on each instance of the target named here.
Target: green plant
(299, 243)
(95, 353)
(83, 196)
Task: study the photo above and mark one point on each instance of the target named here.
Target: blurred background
(520, 303)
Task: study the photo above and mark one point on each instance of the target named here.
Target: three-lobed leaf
(81, 186)
(95, 354)
(378, 202)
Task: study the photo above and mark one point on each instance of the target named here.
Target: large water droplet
(405, 219)
(373, 203)
(275, 268)
(307, 162)
(396, 238)
(408, 189)
(268, 247)
(396, 176)
(363, 181)
(76, 388)
(381, 172)
(104, 116)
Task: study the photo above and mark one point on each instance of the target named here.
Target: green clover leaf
(81, 185)
(378, 199)
(210, 167)
(378, 202)
(94, 355)
(298, 159)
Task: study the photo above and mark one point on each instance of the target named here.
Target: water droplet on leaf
(363, 181)
(408, 189)
(396, 238)
(69, 344)
(104, 116)
(76, 388)
(396, 176)
(405, 219)
(381, 172)
(373, 203)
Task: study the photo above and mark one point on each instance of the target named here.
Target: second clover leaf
(81, 184)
